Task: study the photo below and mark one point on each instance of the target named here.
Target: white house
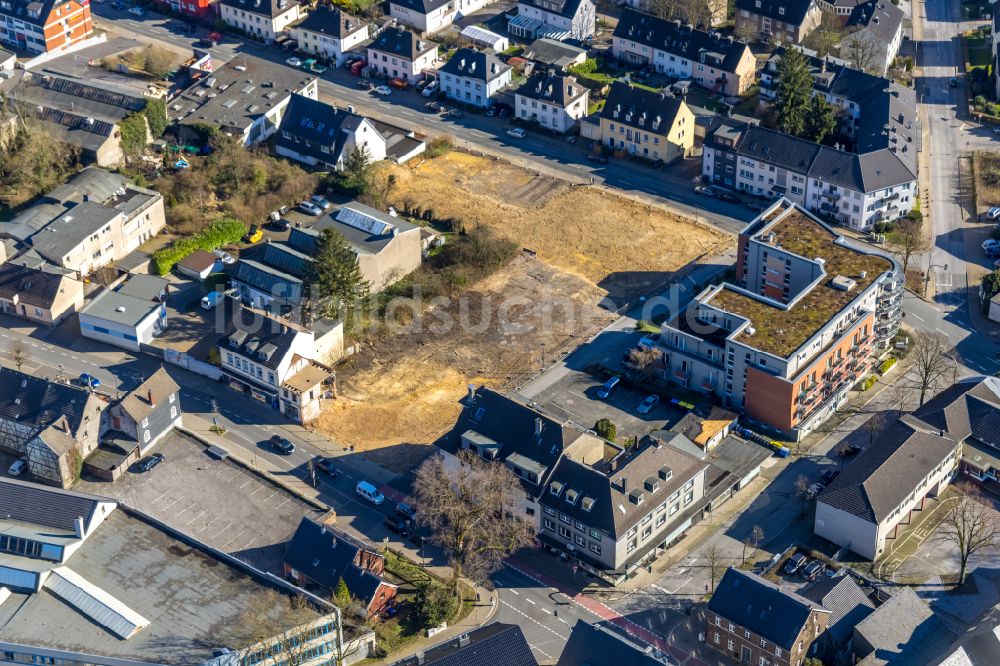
(266, 19)
(571, 19)
(315, 133)
(473, 77)
(399, 53)
(122, 320)
(555, 102)
(874, 35)
(427, 16)
(329, 33)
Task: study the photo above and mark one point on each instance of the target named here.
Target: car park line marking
(164, 494)
(225, 527)
(185, 509)
(225, 545)
(207, 525)
(178, 499)
(259, 488)
(531, 601)
(287, 500)
(248, 481)
(247, 544)
(515, 591)
(197, 516)
(916, 317)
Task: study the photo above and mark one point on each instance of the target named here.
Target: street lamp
(927, 276)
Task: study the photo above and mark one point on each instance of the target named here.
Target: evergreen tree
(794, 91)
(358, 170)
(820, 121)
(341, 595)
(335, 278)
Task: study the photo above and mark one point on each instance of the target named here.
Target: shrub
(868, 383)
(886, 365)
(606, 429)
(438, 146)
(221, 232)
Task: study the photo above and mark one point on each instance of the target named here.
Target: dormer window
(781, 11)
(571, 496)
(556, 488)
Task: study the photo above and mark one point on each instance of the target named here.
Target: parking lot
(217, 502)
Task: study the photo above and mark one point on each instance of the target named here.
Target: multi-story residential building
(430, 16)
(318, 134)
(874, 35)
(754, 621)
(648, 124)
(148, 412)
(806, 318)
(718, 9)
(490, 645)
(720, 64)
(46, 295)
(777, 21)
(402, 54)
(564, 19)
(555, 102)
(473, 77)
(329, 33)
(245, 98)
(44, 26)
(195, 8)
(264, 19)
(93, 219)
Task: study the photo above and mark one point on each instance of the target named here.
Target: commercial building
(777, 21)
(46, 295)
(804, 320)
(264, 19)
(122, 589)
(122, 320)
(402, 54)
(473, 77)
(754, 621)
(95, 218)
(655, 126)
(329, 33)
(717, 63)
(45, 26)
(245, 98)
(871, 501)
(568, 19)
(554, 101)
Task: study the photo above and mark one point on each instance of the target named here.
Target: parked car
(369, 492)
(293, 62)
(17, 469)
(150, 462)
(358, 67)
(705, 191)
(206, 43)
(421, 84)
(727, 196)
(755, 205)
(990, 245)
(649, 341)
(397, 525)
(137, 11)
(430, 89)
(282, 445)
(453, 113)
(572, 138)
(607, 387)
(326, 466)
(433, 107)
(813, 569)
(365, 84)
(795, 562)
(309, 208)
(648, 403)
(517, 133)
(279, 223)
(406, 511)
(993, 214)
(385, 91)
(224, 256)
(828, 476)
(320, 201)
(491, 112)
(399, 84)
(89, 380)
(597, 159)
(254, 234)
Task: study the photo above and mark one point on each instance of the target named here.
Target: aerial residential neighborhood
(499, 332)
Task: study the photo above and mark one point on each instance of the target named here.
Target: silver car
(309, 208)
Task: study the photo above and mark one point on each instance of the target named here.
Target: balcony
(682, 374)
(830, 196)
(708, 384)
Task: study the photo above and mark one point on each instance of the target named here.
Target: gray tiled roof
(495, 644)
(331, 21)
(761, 606)
(847, 602)
(32, 286)
(36, 403)
(564, 8)
(260, 330)
(325, 555)
(902, 631)
(968, 408)
(403, 43)
(792, 12)
(269, 8)
(269, 280)
(633, 104)
(882, 475)
(882, 19)
(161, 385)
(41, 505)
(71, 229)
(678, 39)
(472, 64)
(553, 88)
(420, 6)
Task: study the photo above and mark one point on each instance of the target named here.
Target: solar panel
(359, 220)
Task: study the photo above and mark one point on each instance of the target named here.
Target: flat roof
(194, 602)
(307, 378)
(120, 308)
(781, 331)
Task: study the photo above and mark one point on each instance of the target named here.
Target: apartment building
(805, 319)
(555, 102)
(44, 26)
(571, 19)
(875, 496)
(402, 54)
(93, 219)
(431, 16)
(329, 33)
(264, 19)
(44, 294)
(720, 64)
(754, 621)
(777, 21)
(877, 28)
(473, 77)
(652, 125)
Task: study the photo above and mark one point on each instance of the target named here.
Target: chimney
(419, 657)
(284, 329)
(538, 427)
(464, 640)
(624, 485)
(471, 397)
(78, 527)
(150, 398)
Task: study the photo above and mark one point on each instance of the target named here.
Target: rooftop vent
(652, 484)
(666, 473)
(637, 497)
(842, 283)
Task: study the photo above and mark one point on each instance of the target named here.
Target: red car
(399, 84)
(358, 67)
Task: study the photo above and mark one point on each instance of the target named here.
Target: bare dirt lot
(614, 242)
(402, 390)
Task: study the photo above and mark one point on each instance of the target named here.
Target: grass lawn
(748, 105)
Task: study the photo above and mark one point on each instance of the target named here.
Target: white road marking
(531, 601)
(515, 592)
(916, 317)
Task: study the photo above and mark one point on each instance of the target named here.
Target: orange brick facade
(746, 647)
(64, 24)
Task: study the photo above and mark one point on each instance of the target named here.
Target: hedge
(868, 383)
(221, 232)
(886, 366)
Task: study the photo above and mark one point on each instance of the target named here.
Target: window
(549, 525)
(580, 540)
(595, 547)
(688, 498)
(564, 518)
(173, 397)
(777, 652)
(563, 532)
(595, 534)
(763, 643)
(674, 509)
(549, 510)
(662, 518)
(762, 661)
(746, 634)
(632, 545)
(145, 423)
(732, 627)
(718, 621)
(578, 525)
(646, 532)
(716, 638)
(730, 644)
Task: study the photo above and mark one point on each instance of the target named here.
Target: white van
(211, 299)
(370, 492)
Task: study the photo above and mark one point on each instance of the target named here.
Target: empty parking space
(217, 502)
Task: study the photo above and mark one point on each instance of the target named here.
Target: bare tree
(826, 37)
(908, 239)
(873, 426)
(18, 354)
(714, 561)
(861, 49)
(803, 492)
(270, 627)
(646, 362)
(972, 527)
(932, 363)
(473, 512)
(753, 541)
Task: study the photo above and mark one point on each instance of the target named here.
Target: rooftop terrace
(781, 331)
